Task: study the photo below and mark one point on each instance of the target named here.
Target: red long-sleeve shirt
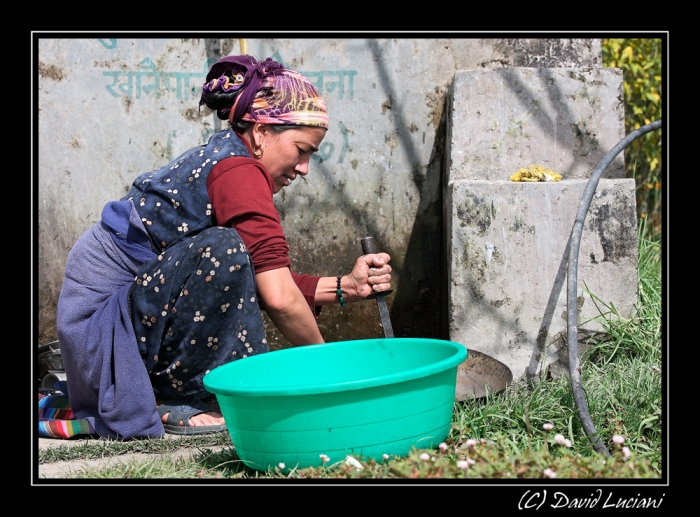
(241, 190)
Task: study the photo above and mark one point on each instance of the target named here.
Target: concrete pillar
(507, 242)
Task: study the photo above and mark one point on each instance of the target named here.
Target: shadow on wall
(418, 308)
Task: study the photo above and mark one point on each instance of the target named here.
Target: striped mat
(56, 419)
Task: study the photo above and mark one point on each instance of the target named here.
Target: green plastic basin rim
(459, 356)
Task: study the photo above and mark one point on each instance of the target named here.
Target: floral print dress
(195, 306)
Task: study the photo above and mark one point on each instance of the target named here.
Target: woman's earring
(262, 150)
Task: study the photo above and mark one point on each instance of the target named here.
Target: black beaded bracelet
(339, 292)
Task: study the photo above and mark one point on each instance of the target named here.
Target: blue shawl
(107, 381)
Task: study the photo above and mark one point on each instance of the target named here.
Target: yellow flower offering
(534, 172)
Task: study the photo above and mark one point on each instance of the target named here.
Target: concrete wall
(109, 109)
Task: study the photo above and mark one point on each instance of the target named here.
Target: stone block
(508, 252)
(565, 119)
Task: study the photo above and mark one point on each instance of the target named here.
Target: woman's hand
(370, 274)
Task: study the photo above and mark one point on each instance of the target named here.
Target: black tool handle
(368, 245)
(368, 248)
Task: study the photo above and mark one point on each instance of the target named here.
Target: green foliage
(640, 61)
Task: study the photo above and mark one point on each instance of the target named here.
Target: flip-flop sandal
(181, 409)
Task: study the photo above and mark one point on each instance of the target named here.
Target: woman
(170, 283)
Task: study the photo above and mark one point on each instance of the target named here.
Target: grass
(501, 436)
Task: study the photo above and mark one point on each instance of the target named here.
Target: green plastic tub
(362, 398)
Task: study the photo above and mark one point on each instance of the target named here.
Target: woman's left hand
(371, 273)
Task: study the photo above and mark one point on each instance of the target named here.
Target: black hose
(572, 302)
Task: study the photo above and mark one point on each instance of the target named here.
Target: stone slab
(565, 119)
(507, 258)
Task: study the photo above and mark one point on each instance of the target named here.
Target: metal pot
(480, 374)
(50, 365)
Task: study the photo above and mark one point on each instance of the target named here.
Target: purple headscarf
(268, 92)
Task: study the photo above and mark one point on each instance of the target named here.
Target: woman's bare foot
(208, 418)
(205, 418)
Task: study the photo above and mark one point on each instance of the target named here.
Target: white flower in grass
(471, 461)
(425, 456)
(471, 443)
(461, 464)
(282, 465)
(349, 460)
(442, 446)
(549, 473)
(385, 456)
(324, 458)
(567, 442)
(626, 452)
(548, 427)
(559, 438)
(618, 439)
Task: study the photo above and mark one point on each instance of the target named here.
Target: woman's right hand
(371, 273)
